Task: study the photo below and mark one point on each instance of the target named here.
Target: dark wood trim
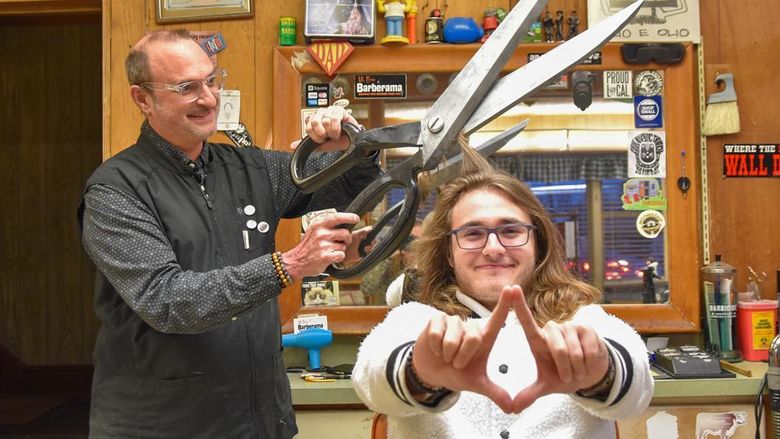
(65, 380)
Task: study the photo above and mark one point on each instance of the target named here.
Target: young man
(182, 234)
(458, 364)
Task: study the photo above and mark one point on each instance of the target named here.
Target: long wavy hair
(554, 294)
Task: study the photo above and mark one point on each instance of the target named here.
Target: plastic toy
(462, 30)
(394, 18)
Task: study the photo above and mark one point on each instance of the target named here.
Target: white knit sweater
(379, 371)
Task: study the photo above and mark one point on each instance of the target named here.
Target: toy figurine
(434, 27)
(411, 21)
(559, 25)
(489, 23)
(648, 280)
(549, 26)
(573, 21)
(394, 17)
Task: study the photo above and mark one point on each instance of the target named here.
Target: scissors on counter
(474, 98)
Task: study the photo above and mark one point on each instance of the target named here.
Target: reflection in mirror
(576, 162)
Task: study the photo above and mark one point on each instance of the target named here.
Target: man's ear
(142, 99)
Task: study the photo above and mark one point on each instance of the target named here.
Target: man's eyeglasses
(509, 235)
(190, 91)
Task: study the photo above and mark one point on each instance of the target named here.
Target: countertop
(340, 392)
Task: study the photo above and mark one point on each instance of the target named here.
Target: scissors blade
(446, 117)
(512, 88)
(451, 167)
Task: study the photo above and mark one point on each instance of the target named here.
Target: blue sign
(648, 112)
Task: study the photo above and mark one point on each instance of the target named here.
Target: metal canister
(287, 31)
(434, 27)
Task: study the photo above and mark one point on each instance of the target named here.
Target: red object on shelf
(756, 328)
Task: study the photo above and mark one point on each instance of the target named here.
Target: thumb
(526, 397)
(498, 395)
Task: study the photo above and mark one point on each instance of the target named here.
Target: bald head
(137, 62)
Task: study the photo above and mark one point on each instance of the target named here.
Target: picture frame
(178, 11)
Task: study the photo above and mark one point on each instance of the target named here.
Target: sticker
(392, 86)
(648, 112)
(342, 103)
(618, 84)
(751, 160)
(213, 44)
(306, 113)
(647, 154)
(643, 194)
(339, 87)
(320, 293)
(662, 425)
(723, 425)
(330, 54)
(317, 95)
(229, 110)
(240, 136)
(650, 223)
(648, 83)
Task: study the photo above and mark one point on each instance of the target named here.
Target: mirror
(585, 193)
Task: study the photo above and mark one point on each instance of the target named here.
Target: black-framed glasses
(190, 91)
(509, 235)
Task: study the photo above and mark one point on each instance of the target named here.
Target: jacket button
(503, 368)
(504, 434)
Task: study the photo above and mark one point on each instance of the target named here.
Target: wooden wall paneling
(90, 156)
(61, 166)
(34, 122)
(10, 151)
(744, 212)
(122, 118)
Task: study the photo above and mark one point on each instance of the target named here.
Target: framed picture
(173, 11)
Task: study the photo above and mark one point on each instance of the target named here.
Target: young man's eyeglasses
(509, 235)
(190, 91)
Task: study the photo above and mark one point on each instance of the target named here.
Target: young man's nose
(493, 245)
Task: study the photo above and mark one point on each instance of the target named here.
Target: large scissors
(475, 97)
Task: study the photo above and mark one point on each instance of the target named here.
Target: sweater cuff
(396, 374)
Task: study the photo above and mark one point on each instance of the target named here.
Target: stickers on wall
(643, 194)
(618, 84)
(648, 83)
(742, 160)
(384, 86)
(213, 44)
(662, 425)
(317, 95)
(648, 112)
(647, 154)
(650, 223)
(723, 425)
(306, 113)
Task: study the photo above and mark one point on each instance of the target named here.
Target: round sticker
(650, 223)
(648, 83)
(647, 110)
(263, 227)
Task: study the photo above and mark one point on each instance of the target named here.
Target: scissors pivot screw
(435, 125)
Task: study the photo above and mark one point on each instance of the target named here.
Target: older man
(182, 234)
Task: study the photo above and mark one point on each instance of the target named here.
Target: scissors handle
(351, 156)
(404, 175)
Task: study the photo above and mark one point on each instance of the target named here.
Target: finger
(435, 333)
(453, 336)
(526, 397)
(595, 352)
(333, 220)
(571, 336)
(556, 344)
(498, 316)
(532, 331)
(500, 396)
(472, 340)
(295, 144)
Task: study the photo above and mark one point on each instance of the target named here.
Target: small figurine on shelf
(394, 18)
(573, 21)
(489, 23)
(434, 27)
(649, 274)
(559, 25)
(411, 21)
(549, 26)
